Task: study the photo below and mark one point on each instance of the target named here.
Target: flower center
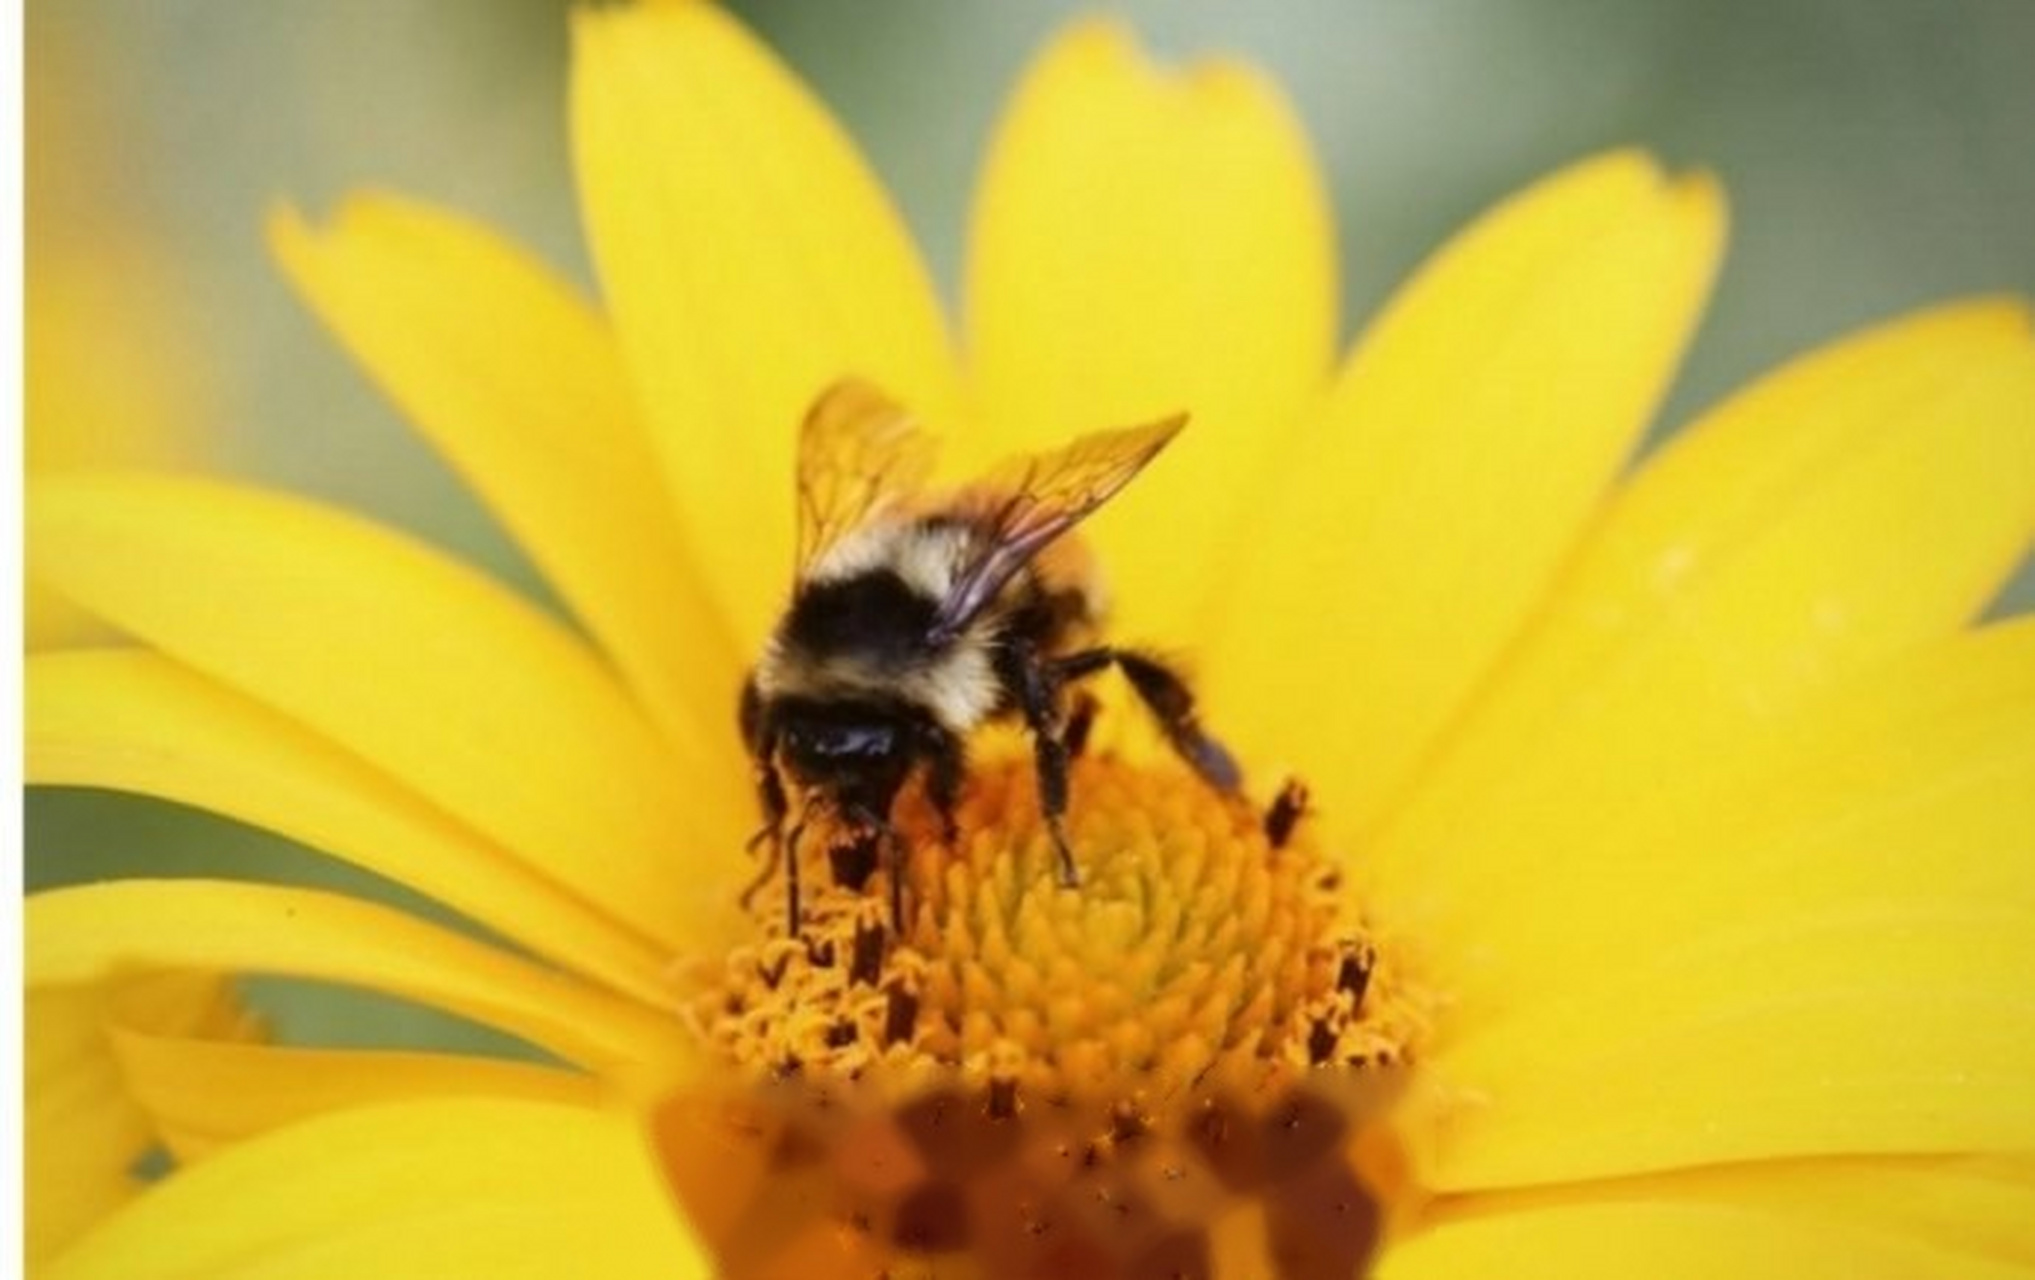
(1054, 1080)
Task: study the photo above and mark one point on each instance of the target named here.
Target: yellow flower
(1664, 905)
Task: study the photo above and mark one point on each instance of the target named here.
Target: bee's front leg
(875, 824)
(759, 734)
(1036, 690)
(790, 846)
(776, 807)
(1080, 722)
(946, 766)
(771, 799)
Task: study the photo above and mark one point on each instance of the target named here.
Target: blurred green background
(1878, 155)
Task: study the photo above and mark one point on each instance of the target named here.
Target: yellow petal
(1844, 838)
(1617, 1240)
(1979, 1205)
(1850, 507)
(1895, 1026)
(437, 676)
(1149, 241)
(82, 1136)
(84, 1131)
(1466, 446)
(518, 383)
(205, 1095)
(1984, 1206)
(82, 934)
(131, 720)
(749, 259)
(1914, 779)
(492, 1188)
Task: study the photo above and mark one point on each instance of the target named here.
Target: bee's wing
(1030, 501)
(858, 453)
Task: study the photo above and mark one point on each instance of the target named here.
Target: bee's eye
(843, 742)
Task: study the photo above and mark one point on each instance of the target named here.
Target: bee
(916, 618)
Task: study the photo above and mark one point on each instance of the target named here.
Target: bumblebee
(916, 618)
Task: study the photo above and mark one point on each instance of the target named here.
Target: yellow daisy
(1663, 904)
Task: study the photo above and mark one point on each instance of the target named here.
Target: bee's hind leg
(1166, 695)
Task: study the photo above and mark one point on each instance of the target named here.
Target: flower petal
(1979, 1205)
(204, 1095)
(1671, 1240)
(82, 1137)
(429, 671)
(132, 720)
(493, 1188)
(1466, 445)
(1912, 780)
(518, 383)
(1798, 887)
(1895, 1026)
(84, 1132)
(83, 934)
(1149, 241)
(1850, 507)
(186, 1074)
(749, 259)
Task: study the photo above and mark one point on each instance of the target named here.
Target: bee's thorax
(860, 625)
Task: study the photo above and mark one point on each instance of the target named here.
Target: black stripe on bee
(875, 613)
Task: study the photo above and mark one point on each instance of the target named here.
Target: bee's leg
(946, 766)
(791, 903)
(770, 796)
(1035, 689)
(892, 850)
(1171, 702)
(764, 872)
(1166, 695)
(1080, 720)
(760, 737)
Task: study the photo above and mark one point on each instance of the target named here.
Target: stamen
(1285, 812)
(1180, 1064)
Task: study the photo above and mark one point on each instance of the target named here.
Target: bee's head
(855, 754)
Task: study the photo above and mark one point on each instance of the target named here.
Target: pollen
(1175, 1068)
